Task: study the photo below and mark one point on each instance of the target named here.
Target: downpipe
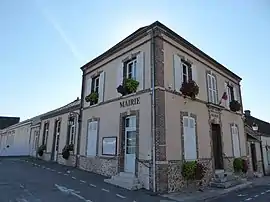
(153, 104)
(79, 125)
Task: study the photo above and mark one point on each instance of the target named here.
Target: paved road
(29, 180)
(253, 194)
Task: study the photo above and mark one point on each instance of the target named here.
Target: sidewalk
(210, 193)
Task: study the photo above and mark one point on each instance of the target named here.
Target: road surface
(29, 180)
(254, 194)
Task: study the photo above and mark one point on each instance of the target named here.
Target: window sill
(93, 105)
(210, 104)
(129, 95)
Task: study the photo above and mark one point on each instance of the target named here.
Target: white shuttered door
(235, 141)
(92, 138)
(190, 142)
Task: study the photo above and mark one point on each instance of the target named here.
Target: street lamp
(71, 120)
(255, 127)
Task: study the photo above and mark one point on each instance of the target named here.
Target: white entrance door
(57, 136)
(56, 146)
(34, 143)
(130, 144)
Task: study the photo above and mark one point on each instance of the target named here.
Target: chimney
(247, 112)
(77, 98)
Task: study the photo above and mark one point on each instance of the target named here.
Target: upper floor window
(212, 88)
(230, 93)
(130, 69)
(132, 72)
(184, 72)
(94, 89)
(95, 84)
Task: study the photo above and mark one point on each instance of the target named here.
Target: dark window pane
(189, 73)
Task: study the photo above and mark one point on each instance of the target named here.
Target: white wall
(17, 137)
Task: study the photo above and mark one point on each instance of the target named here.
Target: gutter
(153, 112)
(80, 124)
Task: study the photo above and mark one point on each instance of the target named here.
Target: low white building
(14, 140)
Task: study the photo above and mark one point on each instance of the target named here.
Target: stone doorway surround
(121, 151)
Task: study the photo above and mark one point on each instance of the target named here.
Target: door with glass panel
(130, 144)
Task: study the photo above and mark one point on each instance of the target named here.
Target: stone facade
(161, 177)
(259, 166)
(143, 173)
(175, 180)
(100, 165)
(46, 156)
(228, 164)
(71, 161)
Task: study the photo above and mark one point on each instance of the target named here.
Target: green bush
(189, 170)
(92, 98)
(130, 85)
(41, 150)
(238, 165)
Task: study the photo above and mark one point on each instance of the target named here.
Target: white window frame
(58, 126)
(133, 69)
(212, 89)
(91, 150)
(72, 134)
(95, 83)
(191, 130)
(235, 132)
(46, 125)
(187, 73)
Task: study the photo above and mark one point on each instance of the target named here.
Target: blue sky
(43, 44)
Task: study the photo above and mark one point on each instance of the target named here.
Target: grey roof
(143, 30)
(61, 110)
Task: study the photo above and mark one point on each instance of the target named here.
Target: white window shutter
(92, 139)
(177, 72)
(140, 70)
(226, 89)
(209, 83)
(235, 94)
(101, 87)
(120, 76)
(87, 89)
(194, 73)
(214, 85)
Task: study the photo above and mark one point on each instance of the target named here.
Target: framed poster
(109, 146)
